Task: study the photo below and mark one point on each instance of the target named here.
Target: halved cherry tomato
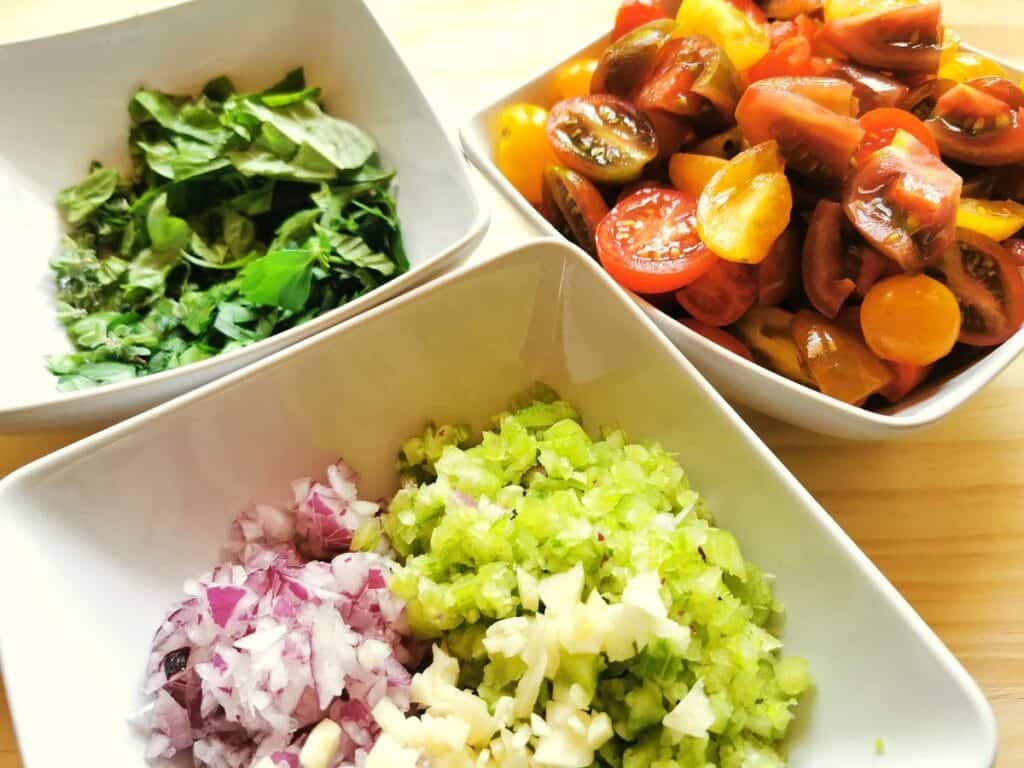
(691, 173)
(689, 73)
(746, 205)
(726, 144)
(902, 39)
(768, 334)
(872, 89)
(639, 184)
(778, 276)
(744, 41)
(963, 66)
(843, 9)
(577, 201)
(997, 219)
(974, 125)
(649, 243)
(625, 64)
(800, 26)
(635, 13)
(603, 137)
(880, 126)
(751, 10)
(814, 139)
(671, 132)
(905, 379)
(910, 319)
(721, 295)
(903, 200)
(573, 79)
(523, 150)
(790, 58)
(840, 363)
(988, 286)
(826, 285)
(719, 337)
(921, 100)
(790, 9)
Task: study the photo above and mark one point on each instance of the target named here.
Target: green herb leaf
(261, 162)
(86, 197)
(189, 120)
(279, 279)
(166, 232)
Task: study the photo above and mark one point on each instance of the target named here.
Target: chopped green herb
(245, 215)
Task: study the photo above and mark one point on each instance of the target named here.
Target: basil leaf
(166, 232)
(86, 197)
(279, 279)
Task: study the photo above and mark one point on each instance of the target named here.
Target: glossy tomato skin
(911, 319)
(905, 379)
(574, 79)
(1015, 247)
(636, 13)
(790, 58)
(648, 242)
(921, 99)
(906, 39)
(626, 64)
(880, 126)
(987, 285)
(814, 140)
(872, 89)
(825, 283)
(722, 295)
(523, 150)
(778, 276)
(578, 202)
(602, 137)
(903, 200)
(971, 125)
(790, 9)
(768, 334)
(690, 73)
(719, 336)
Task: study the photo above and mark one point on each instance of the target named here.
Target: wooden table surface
(942, 514)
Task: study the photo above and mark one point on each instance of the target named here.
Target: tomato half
(791, 9)
(825, 283)
(603, 137)
(691, 72)
(768, 334)
(649, 244)
(751, 10)
(635, 13)
(718, 336)
(721, 295)
(839, 362)
(778, 276)
(911, 319)
(625, 64)
(997, 219)
(813, 139)
(790, 58)
(904, 39)
(905, 379)
(903, 200)
(573, 79)
(872, 89)
(880, 126)
(744, 40)
(974, 125)
(987, 285)
(579, 204)
(690, 173)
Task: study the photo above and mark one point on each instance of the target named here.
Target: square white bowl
(97, 538)
(66, 101)
(739, 379)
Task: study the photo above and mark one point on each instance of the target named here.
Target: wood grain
(942, 514)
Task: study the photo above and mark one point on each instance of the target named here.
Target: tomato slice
(603, 137)
(826, 285)
(903, 200)
(906, 39)
(689, 73)
(626, 63)
(814, 140)
(768, 334)
(721, 295)
(690, 173)
(751, 10)
(639, 185)
(578, 203)
(791, 9)
(792, 57)
(997, 219)
(905, 379)
(718, 336)
(649, 243)
(635, 13)
(987, 285)
(880, 126)
(778, 276)
(972, 125)
(872, 89)
(840, 363)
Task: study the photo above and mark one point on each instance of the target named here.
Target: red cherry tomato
(721, 295)
(649, 243)
(905, 379)
(636, 13)
(719, 337)
(791, 58)
(880, 126)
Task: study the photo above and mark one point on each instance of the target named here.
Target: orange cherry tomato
(718, 336)
(523, 150)
(880, 126)
(911, 319)
(573, 79)
(905, 379)
(840, 363)
(635, 13)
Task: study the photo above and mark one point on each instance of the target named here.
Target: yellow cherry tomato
(523, 150)
(962, 66)
(573, 79)
(768, 334)
(744, 41)
(997, 219)
(843, 9)
(910, 319)
(746, 205)
(840, 363)
(691, 173)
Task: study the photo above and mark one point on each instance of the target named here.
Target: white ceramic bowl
(98, 537)
(739, 379)
(66, 103)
